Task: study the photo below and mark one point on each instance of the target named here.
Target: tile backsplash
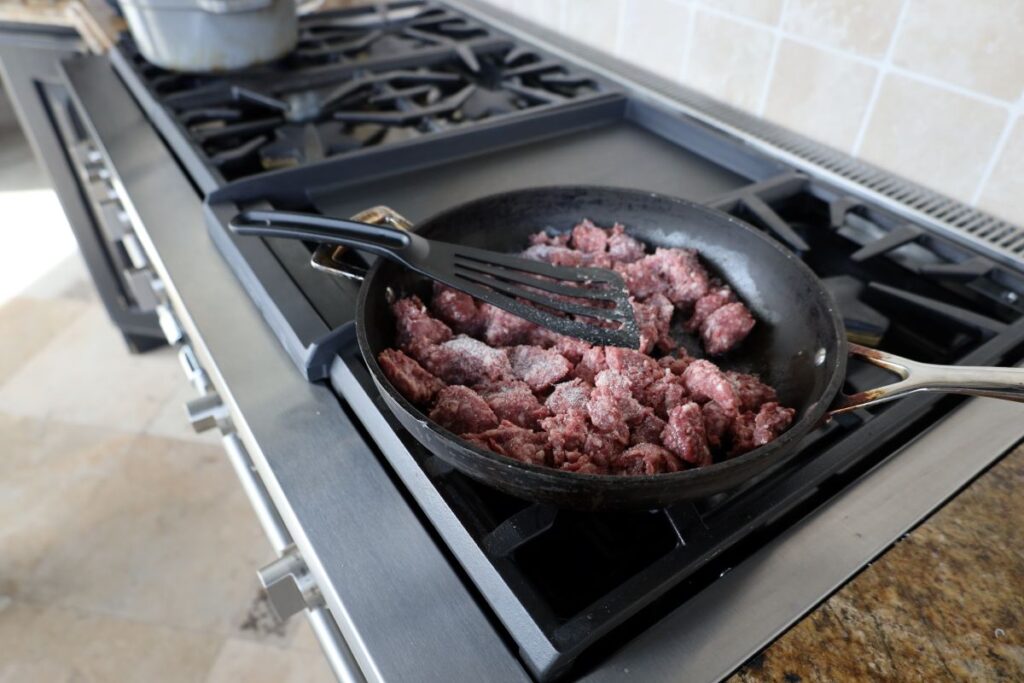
(930, 89)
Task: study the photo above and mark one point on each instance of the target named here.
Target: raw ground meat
(685, 435)
(725, 328)
(750, 391)
(589, 238)
(514, 442)
(623, 248)
(457, 309)
(461, 410)
(706, 382)
(571, 395)
(464, 360)
(540, 368)
(706, 305)
(408, 376)
(539, 397)
(771, 420)
(647, 458)
(415, 329)
(516, 403)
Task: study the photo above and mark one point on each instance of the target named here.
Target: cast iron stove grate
(583, 579)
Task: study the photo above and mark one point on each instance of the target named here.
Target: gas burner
(384, 31)
(255, 124)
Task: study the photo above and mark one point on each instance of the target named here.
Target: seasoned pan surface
(798, 345)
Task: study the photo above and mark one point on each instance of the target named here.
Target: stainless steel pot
(211, 35)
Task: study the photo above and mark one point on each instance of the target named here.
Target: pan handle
(327, 257)
(1004, 383)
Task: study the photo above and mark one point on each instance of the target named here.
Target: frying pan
(798, 345)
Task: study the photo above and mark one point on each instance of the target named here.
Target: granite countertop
(945, 603)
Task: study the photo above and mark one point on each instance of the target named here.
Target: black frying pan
(798, 346)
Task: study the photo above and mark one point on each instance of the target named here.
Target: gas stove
(418, 106)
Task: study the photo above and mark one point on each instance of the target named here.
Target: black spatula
(596, 298)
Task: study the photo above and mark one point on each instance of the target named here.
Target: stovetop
(359, 78)
(419, 107)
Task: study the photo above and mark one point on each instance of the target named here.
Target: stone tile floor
(127, 548)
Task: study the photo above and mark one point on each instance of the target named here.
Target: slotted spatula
(505, 281)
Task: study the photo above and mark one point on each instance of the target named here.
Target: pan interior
(795, 335)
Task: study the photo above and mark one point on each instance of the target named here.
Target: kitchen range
(409, 569)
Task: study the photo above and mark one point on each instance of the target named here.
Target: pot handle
(1004, 383)
(327, 257)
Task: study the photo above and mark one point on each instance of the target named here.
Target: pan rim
(803, 425)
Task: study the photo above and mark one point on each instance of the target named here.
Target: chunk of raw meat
(570, 347)
(514, 442)
(566, 433)
(589, 238)
(622, 248)
(706, 382)
(678, 363)
(771, 420)
(648, 429)
(502, 328)
(725, 328)
(647, 458)
(611, 403)
(751, 392)
(571, 395)
(654, 320)
(708, 304)
(564, 256)
(540, 368)
(464, 360)
(461, 410)
(458, 310)
(664, 394)
(685, 435)
(415, 329)
(604, 446)
(583, 464)
(716, 424)
(592, 364)
(741, 434)
(682, 271)
(408, 376)
(516, 403)
(638, 368)
(641, 277)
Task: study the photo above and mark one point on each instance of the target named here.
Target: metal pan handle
(327, 257)
(1004, 383)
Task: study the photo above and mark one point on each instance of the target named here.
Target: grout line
(778, 37)
(884, 70)
(688, 46)
(832, 50)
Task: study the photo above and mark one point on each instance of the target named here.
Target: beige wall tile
(1003, 194)
(978, 45)
(860, 26)
(654, 35)
(766, 11)
(728, 60)
(821, 94)
(941, 139)
(595, 22)
(55, 645)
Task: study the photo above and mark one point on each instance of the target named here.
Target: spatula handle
(381, 240)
